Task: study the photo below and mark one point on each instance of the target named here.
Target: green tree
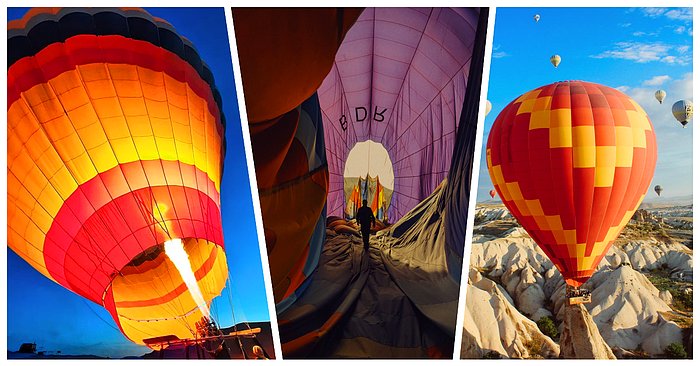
(547, 327)
(675, 350)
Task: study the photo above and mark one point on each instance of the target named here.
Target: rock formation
(580, 337)
(627, 312)
(494, 326)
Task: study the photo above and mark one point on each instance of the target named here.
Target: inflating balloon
(683, 111)
(321, 83)
(115, 147)
(572, 161)
(555, 60)
(360, 99)
(660, 95)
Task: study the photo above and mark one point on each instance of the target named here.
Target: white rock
(494, 324)
(666, 296)
(540, 313)
(628, 310)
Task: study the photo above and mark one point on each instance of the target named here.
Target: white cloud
(648, 34)
(671, 60)
(497, 53)
(654, 12)
(674, 166)
(682, 49)
(683, 14)
(625, 25)
(679, 29)
(643, 52)
(656, 80)
(623, 88)
(636, 51)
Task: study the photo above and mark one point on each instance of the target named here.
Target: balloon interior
(572, 162)
(377, 106)
(115, 153)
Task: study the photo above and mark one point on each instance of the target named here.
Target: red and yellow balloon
(115, 145)
(572, 162)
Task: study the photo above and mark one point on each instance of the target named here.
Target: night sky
(41, 311)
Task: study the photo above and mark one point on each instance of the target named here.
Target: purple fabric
(399, 78)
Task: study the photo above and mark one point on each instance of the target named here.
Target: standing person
(365, 218)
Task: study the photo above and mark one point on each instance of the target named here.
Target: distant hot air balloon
(537, 18)
(488, 107)
(555, 60)
(572, 161)
(660, 95)
(492, 193)
(658, 188)
(683, 111)
(115, 147)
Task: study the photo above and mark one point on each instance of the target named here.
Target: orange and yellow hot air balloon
(115, 147)
(572, 162)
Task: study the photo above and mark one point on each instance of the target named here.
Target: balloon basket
(575, 296)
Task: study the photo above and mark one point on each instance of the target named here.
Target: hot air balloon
(660, 95)
(488, 107)
(536, 17)
(658, 188)
(555, 60)
(683, 111)
(572, 161)
(320, 83)
(492, 193)
(115, 148)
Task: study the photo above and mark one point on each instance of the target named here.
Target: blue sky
(41, 311)
(637, 50)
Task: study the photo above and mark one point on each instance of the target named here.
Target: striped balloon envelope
(115, 146)
(572, 162)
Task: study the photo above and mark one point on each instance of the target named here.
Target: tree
(675, 350)
(547, 327)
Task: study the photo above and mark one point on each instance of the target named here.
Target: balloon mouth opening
(152, 295)
(368, 176)
(577, 282)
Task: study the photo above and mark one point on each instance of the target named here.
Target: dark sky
(41, 311)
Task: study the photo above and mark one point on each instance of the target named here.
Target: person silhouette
(365, 217)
